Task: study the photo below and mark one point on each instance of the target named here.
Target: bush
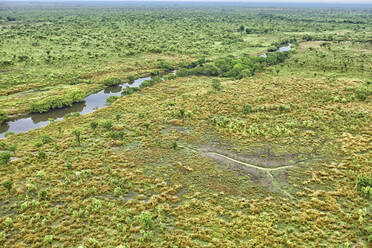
(363, 92)
(77, 133)
(8, 185)
(12, 148)
(55, 102)
(236, 68)
(107, 124)
(8, 134)
(146, 220)
(131, 78)
(112, 99)
(129, 90)
(216, 84)
(6, 63)
(3, 116)
(247, 108)
(364, 185)
(43, 194)
(41, 155)
(93, 124)
(169, 76)
(45, 139)
(112, 81)
(4, 158)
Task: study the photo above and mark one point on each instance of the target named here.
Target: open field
(280, 158)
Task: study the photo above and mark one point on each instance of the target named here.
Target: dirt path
(226, 159)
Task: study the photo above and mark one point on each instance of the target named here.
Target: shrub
(8, 134)
(169, 76)
(174, 145)
(45, 139)
(107, 124)
(8, 222)
(6, 63)
(363, 92)
(12, 148)
(284, 108)
(181, 113)
(77, 133)
(3, 116)
(364, 185)
(112, 81)
(4, 158)
(145, 219)
(128, 91)
(93, 124)
(48, 239)
(112, 99)
(8, 185)
(41, 154)
(247, 108)
(43, 194)
(131, 78)
(216, 85)
(55, 102)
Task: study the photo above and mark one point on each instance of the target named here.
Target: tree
(77, 133)
(241, 29)
(93, 125)
(8, 185)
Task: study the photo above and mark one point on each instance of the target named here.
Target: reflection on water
(90, 104)
(112, 89)
(286, 48)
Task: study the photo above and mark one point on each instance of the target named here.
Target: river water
(90, 104)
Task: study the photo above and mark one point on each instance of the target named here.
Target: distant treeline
(233, 67)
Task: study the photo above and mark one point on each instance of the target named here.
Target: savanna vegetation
(234, 150)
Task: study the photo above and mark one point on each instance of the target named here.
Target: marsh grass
(158, 189)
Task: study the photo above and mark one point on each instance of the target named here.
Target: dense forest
(185, 125)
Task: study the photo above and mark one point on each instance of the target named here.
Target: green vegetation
(364, 185)
(4, 158)
(112, 81)
(112, 99)
(3, 116)
(56, 102)
(235, 67)
(235, 150)
(8, 185)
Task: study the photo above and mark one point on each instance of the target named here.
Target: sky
(253, 1)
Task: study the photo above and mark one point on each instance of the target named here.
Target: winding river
(90, 104)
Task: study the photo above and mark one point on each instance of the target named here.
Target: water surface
(88, 105)
(281, 49)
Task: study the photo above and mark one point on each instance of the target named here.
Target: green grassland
(278, 159)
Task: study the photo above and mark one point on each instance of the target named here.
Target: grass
(137, 173)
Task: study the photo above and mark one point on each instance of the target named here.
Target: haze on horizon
(226, 1)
